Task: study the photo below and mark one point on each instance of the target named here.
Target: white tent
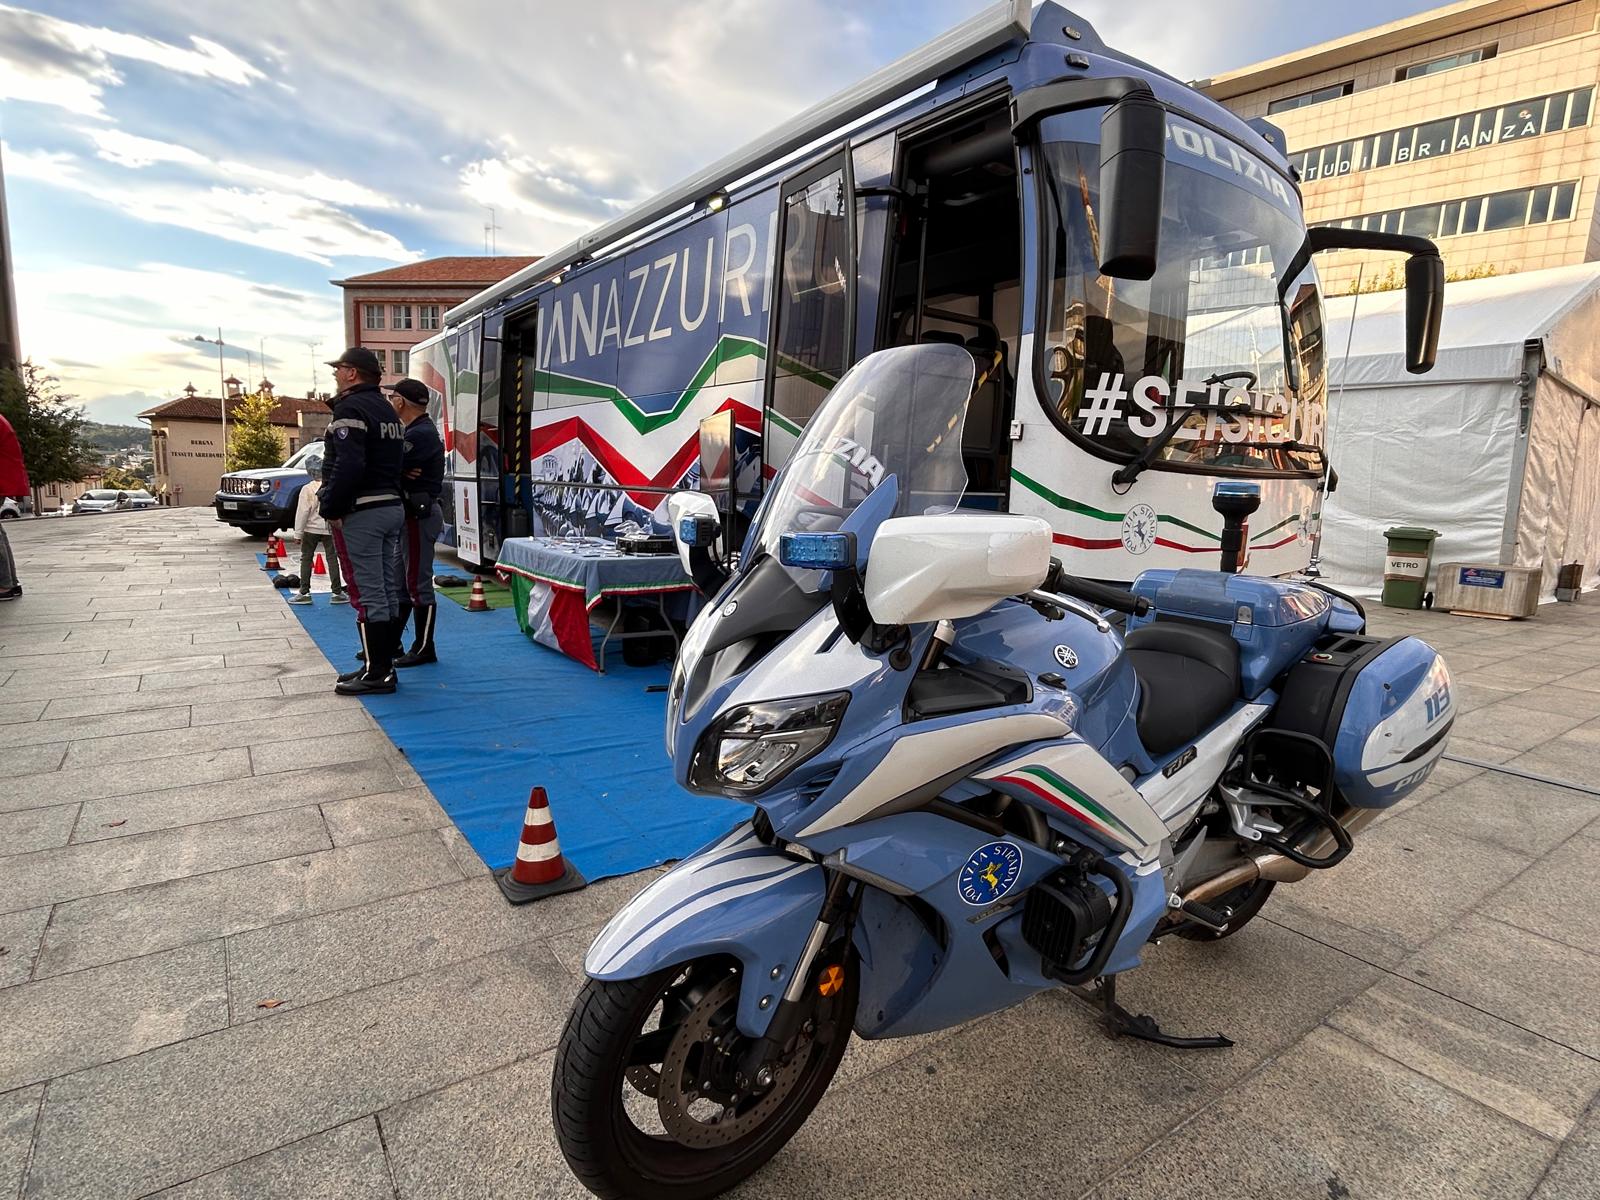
(1498, 447)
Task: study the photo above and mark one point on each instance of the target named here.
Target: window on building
(382, 358)
(427, 316)
(401, 315)
(1448, 63)
(372, 316)
(1475, 214)
(1332, 92)
(400, 361)
(1448, 135)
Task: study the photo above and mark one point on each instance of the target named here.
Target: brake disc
(692, 1110)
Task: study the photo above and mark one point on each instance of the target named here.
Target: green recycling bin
(1405, 570)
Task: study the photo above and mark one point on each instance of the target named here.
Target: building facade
(390, 311)
(186, 440)
(1472, 124)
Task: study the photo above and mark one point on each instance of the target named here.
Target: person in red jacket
(13, 482)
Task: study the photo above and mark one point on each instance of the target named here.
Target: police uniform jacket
(364, 450)
(424, 451)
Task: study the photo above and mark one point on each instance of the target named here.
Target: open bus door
(813, 316)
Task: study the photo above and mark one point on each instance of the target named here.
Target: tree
(254, 440)
(123, 481)
(49, 425)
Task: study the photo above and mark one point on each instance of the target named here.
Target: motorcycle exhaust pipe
(1277, 867)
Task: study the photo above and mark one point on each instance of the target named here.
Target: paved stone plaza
(192, 826)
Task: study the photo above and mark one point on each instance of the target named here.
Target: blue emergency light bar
(1236, 487)
(697, 531)
(817, 551)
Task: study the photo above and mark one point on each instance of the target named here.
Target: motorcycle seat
(1188, 676)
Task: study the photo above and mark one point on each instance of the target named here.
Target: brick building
(186, 439)
(390, 311)
(1472, 124)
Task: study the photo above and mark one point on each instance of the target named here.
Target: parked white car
(10, 506)
(98, 500)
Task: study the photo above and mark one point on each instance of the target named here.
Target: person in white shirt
(314, 534)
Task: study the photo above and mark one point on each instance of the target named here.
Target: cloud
(115, 331)
(45, 60)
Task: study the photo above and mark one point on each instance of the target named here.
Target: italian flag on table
(557, 618)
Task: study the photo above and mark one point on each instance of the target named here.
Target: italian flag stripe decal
(1050, 787)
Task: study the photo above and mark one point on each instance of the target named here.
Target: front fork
(838, 912)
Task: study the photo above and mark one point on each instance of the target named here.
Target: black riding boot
(422, 649)
(377, 638)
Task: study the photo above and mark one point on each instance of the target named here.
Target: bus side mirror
(1424, 310)
(1133, 162)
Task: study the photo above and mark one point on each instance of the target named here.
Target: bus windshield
(1232, 318)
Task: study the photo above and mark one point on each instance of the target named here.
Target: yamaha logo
(1066, 656)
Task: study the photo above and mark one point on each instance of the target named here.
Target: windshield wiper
(1153, 448)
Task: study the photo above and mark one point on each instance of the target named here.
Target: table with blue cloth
(557, 581)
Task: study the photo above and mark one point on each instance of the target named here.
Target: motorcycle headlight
(751, 747)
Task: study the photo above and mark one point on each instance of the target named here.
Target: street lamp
(222, 390)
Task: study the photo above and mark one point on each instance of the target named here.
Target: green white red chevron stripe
(1258, 541)
(1044, 783)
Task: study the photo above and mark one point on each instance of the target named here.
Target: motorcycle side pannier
(1382, 707)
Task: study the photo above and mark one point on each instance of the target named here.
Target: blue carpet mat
(499, 714)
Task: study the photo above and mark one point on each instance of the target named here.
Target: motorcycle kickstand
(1119, 1022)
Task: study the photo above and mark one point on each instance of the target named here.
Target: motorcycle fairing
(1175, 796)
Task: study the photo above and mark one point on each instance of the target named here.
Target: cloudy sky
(173, 167)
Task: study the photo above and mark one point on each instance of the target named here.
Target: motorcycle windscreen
(894, 420)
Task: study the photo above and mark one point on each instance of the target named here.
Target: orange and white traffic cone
(272, 563)
(477, 602)
(318, 567)
(540, 869)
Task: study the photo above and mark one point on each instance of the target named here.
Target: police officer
(422, 480)
(361, 501)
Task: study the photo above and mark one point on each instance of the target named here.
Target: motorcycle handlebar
(1118, 599)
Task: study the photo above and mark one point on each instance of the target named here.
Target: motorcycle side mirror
(952, 565)
(1133, 162)
(695, 528)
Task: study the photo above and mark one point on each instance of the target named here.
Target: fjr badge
(1139, 529)
(1066, 656)
(990, 873)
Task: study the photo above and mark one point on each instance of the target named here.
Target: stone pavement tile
(462, 852)
(75, 729)
(29, 829)
(1332, 1118)
(1544, 986)
(141, 812)
(1039, 1083)
(1194, 988)
(59, 658)
(20, 935)
(17, 762)
(286, 732)
(486, 1137)
(124, 674)
(198, 908)
(217, 639)
(346, 1163)
(1575, 755)
(1509, 811)
(174, 642)
(16, 711)
(1524, 1076)
(39, 639)
(117, 779)
(332, 954)
(155, 681)
(1575, 1174)
(271, 706)
(1504, 724)
(290, 659)
(1401, 885)
(276, 757)
(33, 685)
(19, 1112)
(381, 815)
(1553, 698)
(1520, 672)
(54, 1026)
(307, 683)
(1587, 680)
(1470, 695)
(131, 1127)
(1463, 747)
(54, 876)
(210, 703)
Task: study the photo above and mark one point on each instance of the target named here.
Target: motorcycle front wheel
(646, 1097)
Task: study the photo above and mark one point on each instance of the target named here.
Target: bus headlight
(751, 747)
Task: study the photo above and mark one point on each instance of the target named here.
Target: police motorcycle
(969, 783)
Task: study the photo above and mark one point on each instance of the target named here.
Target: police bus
(954, 196)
